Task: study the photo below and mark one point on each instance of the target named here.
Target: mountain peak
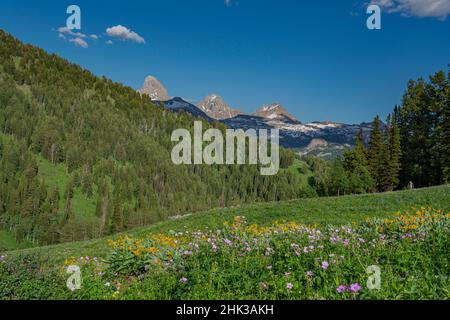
(214, 106)
(154, 89)
(275, 111)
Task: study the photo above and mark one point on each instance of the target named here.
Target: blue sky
(317, 58)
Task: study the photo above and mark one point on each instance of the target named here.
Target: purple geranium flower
(355, 288)
(341, 289)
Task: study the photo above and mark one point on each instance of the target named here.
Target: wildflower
(341, 289)
(183, 280)
(269, 268)
(107, 284)
(355, 288)
(325, 265)
(289, 286)
(228, 242)
(309, 274)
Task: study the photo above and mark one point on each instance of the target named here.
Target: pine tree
(356, 165)
(357, 157)
(394, 154)
(68, 213)
(376, 154)
(117, 218)
(445, 134)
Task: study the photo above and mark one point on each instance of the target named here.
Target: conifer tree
(445, 158)
(394, 154)
(376, 154)
(356, 165)
(68, 206)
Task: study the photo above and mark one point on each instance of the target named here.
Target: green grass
(321, 211)
(56, 177)
(8, 242)
(411, 270)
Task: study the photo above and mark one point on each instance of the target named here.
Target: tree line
(410, 149)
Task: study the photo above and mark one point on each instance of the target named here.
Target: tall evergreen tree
(356, 165)
(376, 154)
(445, 151)
(394, 154)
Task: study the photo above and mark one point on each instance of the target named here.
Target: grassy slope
(340, 210)
(56, 177)
(8, 242)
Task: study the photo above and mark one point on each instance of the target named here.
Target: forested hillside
(82, 156)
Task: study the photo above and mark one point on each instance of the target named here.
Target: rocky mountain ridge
(324, 139)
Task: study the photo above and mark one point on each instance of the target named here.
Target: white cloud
(124, 33)
(109, 42)
(67, 31)
(77, 38)
(94, 36)
(80, 42)
(228, 3)
(416, 8)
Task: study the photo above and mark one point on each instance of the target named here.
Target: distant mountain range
(322, 139)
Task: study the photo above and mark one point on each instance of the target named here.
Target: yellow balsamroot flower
(151, 250)
(70, 261)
